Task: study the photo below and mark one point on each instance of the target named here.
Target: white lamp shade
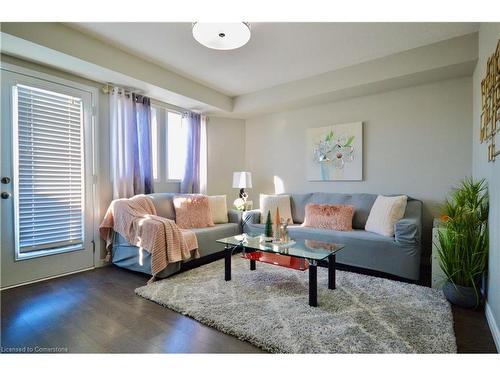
(242, 180)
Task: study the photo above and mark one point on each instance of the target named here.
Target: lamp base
(243, 195)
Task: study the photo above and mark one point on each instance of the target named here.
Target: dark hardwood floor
(98, 311)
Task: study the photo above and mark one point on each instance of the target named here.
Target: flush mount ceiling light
(222, 36)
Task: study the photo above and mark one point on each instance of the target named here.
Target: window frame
(162, 110)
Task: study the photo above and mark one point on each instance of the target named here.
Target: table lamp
(242, 180)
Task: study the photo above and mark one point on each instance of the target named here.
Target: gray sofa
(131, 257)
(398, 255)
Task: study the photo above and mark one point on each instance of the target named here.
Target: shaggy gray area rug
(269, 308)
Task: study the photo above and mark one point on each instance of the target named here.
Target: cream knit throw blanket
(135, 219)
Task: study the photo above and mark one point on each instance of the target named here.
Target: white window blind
(48, 169)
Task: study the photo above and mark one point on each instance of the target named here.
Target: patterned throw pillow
(385, 212)
(192, 211)
(271, 202)
(329, 216)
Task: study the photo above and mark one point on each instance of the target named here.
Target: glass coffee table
(297, 254)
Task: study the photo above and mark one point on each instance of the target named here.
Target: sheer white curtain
(203, 156)
(130, 132)
(122, 134)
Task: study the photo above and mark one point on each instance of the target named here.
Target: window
(48, 172)
(154, 137)
(168, 145)
(177, 143)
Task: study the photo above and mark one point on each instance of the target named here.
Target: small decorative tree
(269, 225)
(277, 222)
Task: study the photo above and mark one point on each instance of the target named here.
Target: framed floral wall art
(335, 153)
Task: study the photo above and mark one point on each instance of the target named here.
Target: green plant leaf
(463, 241)
(349, 141)
(329, 136)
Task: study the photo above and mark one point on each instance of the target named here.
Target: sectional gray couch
(398, 255)
(129, 256)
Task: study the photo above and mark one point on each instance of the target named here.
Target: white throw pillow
(218, 208)
(384, 214)
(270, 202)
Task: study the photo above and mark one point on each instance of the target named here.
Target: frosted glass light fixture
(222, 36)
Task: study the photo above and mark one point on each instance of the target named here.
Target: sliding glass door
(46, 185)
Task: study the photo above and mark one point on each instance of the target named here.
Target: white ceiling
(277, 52)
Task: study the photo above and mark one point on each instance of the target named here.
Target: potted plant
(463, 250)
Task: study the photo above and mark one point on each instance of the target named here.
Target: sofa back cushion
(362, 204)
(192, 211)
(164, 204)
(298, 204)
(329, 216)
(271, 202)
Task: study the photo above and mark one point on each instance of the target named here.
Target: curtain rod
(172, 107)
(130, 90)
(107, 89)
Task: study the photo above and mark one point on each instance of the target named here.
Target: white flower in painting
(322, 151)
(344, 154)
(338, 151)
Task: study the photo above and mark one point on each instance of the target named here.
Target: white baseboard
(495, 332)
(46, 278)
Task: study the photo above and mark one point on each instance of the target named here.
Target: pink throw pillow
(329, 216)
(192, 211)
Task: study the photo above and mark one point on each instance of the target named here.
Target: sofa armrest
(408, 230)
(234, 216)
(251, 217)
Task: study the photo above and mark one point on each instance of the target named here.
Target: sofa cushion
(192, 211)
(386, 211)
(218, 208)
(329, 216)
(362, 249)
(329, 235)
(164, 204)
(298, 205)
(271, 202)
(207, 237)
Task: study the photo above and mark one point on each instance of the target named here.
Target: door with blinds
(46, 175)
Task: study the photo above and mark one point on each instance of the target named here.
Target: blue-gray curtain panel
(191, 181)
(143, 168)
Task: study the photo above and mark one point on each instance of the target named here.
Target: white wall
(226, 154)
(489, 33)
(416, 142)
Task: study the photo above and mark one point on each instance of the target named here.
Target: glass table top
(307, 249)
